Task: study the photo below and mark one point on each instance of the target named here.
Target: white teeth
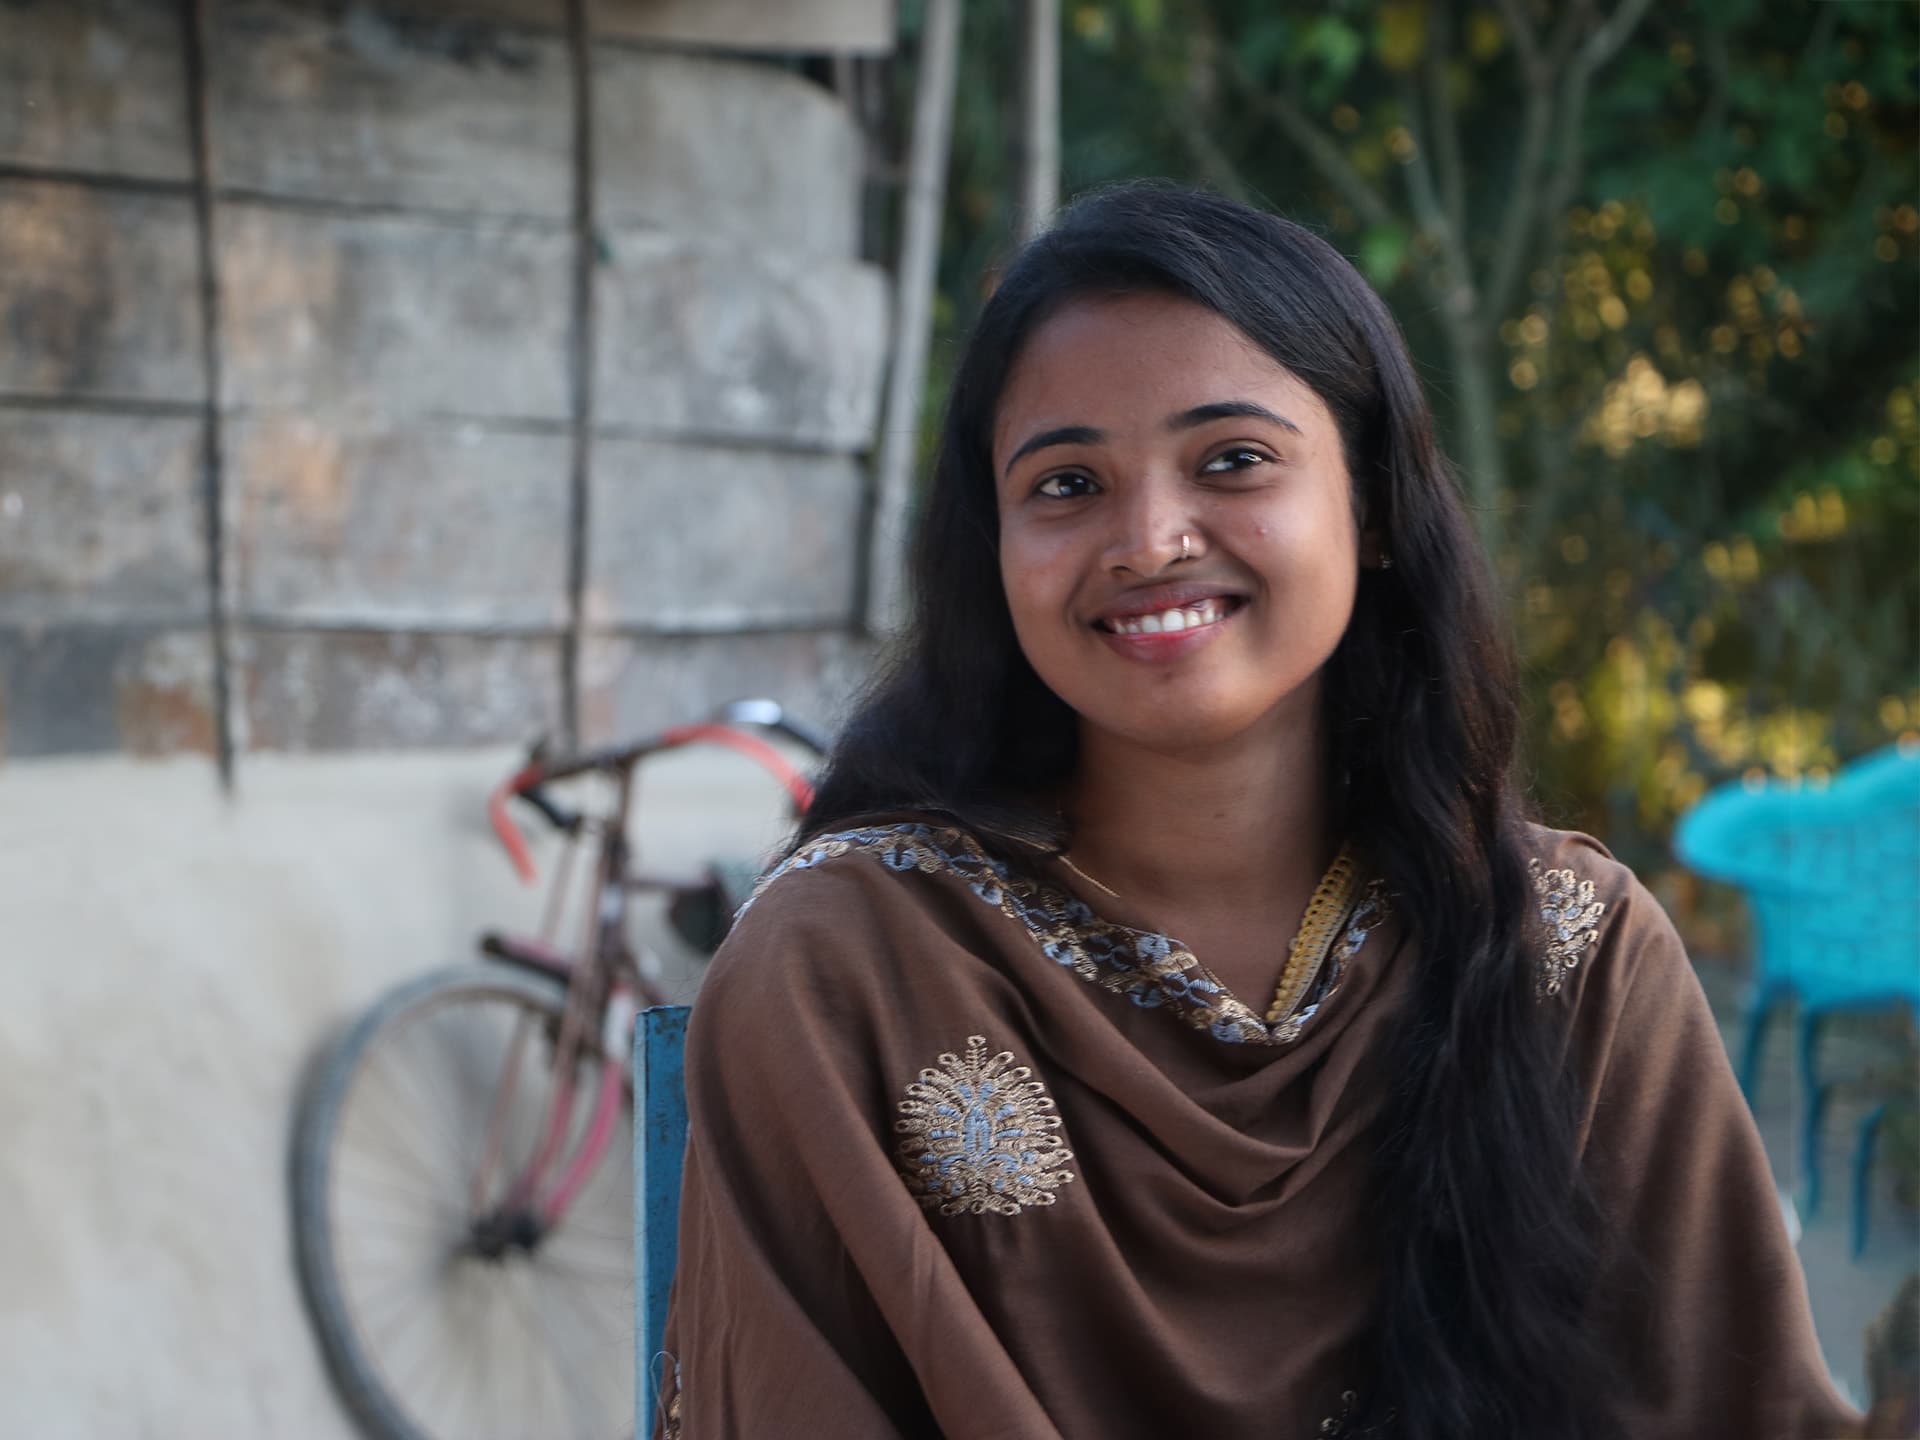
(1189, 617)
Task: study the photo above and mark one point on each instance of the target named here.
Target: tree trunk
(1038, 154)
(1476, 426)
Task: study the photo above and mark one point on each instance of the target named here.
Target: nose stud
(1186, 546)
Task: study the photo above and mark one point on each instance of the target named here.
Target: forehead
(1111, 362)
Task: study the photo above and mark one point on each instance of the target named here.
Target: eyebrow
(1184, 420)
(1228, 410)
(1061, 435)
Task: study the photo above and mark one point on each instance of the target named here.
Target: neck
(1237, 827)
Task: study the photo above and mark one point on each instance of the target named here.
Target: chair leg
(1863, 1174)
(1759, 1012)
(1815, 1105)
(1812, 1122)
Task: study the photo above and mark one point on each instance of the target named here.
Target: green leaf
(1265, 44)
(1336, 44)
(1093, 25)
(1383, 249)
(1400, 34)
(1335, 48)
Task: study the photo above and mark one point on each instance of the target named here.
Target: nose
(1147, 526)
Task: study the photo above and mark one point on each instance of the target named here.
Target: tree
(1659, 269)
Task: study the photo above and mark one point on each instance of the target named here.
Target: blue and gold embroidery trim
(1152, 971)
(980, 1135)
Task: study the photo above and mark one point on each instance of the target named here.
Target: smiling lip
(1159, 599)
(1164, 622)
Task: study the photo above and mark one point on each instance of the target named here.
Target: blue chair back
(659, 1156)
(1832, 875)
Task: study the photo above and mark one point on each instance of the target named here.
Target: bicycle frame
(607, 991)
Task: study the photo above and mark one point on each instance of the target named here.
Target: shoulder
(1610, 959)
(900, 847)
(895, 868)
(859, 959)
(848, 921)
(1579, 855)
(1599, 925)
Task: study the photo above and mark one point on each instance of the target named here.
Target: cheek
(1032, 575)
(1315, 538)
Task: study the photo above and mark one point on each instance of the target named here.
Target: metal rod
(585, 257)
(913, 311)
(197, 19)
(1039, 143)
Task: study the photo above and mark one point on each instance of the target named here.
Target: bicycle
(466, 1255)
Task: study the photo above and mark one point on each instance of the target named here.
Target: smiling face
(1126, 424)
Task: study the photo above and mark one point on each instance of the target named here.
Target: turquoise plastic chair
(1863, 1149)
(1832, 876)
(659, 1157)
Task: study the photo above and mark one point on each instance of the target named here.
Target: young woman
(1167, 1023)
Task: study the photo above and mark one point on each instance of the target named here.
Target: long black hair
(1486, 1227)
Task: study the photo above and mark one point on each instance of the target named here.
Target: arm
(1704, 1302)
(773, 1329)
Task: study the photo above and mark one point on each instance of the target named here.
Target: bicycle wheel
(441, 1313)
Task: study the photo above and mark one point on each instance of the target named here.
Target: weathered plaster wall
(172, 962)
(385, 420)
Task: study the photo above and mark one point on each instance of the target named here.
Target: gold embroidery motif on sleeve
(979, 1134)
(1572, 919)
(666, 1403)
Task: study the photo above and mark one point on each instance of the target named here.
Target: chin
(1193, 715)
(1193, 728)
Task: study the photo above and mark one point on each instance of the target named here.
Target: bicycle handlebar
(526, 783)
(557, 816)
(770, 715)
(503, 826)
(751, 746)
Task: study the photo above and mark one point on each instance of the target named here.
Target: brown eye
(1068, 485)
(1228, 461)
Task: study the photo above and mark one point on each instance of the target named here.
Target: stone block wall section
(334, 415)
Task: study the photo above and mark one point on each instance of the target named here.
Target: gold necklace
(1325, 916)
(1067, 861)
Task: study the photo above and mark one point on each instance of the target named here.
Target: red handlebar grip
(754, 748)
(503, 826)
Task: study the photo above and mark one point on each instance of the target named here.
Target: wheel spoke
(566, 1360)
(412, 1098)
(586, 1272)
(527, 1344)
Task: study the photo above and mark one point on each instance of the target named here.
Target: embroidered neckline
(1334, 899)
(1153, 971)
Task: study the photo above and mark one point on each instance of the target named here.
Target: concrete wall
(397, 422)
(173, 961)
(474, 376)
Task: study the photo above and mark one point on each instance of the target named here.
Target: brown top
(967, 1161)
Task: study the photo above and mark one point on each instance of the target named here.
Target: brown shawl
(967, 1161)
